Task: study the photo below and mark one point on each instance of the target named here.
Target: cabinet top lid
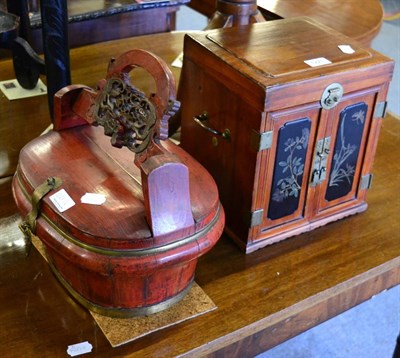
(284, 47)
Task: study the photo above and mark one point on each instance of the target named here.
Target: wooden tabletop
(358, 19)
(263, 298)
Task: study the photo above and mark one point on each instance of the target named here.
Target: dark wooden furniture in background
(62, 24)
(290, 145)
(234, 13)
(27, 64)
(263, 298)
(97, 20)
(360, 20)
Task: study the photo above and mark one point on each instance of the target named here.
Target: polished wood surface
(358, 19)
(93, 21)
(135, 23)
(136, 253)
(263, 298)
(235, 13)
(255, 82)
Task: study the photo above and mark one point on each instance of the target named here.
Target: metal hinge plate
(254, 218)
(322, 151)
(380, 110)
(261, 141)
(366, 181)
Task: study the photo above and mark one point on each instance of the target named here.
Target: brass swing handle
(202, 118)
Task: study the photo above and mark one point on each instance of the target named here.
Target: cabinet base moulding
(263, 241)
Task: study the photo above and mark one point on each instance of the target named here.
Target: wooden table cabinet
(286, 122)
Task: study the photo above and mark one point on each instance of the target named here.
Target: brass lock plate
(331, 96)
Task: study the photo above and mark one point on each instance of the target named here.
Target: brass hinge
(256, 217)
(28, 226)
(261, 141)
(366, 181)
(380, 110)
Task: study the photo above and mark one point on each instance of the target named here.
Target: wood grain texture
(25, 119)
(235, 13)
(7, 206)
(18, 123)
(136, 253)
(136, 23)
(360, 20)
(95, 21)
(165, 183)
(292, 285)
(254, 81)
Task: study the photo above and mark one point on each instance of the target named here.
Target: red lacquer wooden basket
(136, 253)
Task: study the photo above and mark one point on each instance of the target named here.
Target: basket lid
(152, 197)
(85, 164)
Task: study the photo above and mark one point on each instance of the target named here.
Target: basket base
(120, 331)
(122, 312)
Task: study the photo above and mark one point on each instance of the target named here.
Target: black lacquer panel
(289, 168)
(346, 152)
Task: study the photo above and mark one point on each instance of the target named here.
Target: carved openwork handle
(127, 115)
(138, 122)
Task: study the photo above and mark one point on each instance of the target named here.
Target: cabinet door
(288, 162)
(347, 132)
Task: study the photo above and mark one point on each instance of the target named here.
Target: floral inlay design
(293, 166)
(349, 136)
(342, 170)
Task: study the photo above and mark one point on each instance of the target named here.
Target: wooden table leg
(235, 13)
